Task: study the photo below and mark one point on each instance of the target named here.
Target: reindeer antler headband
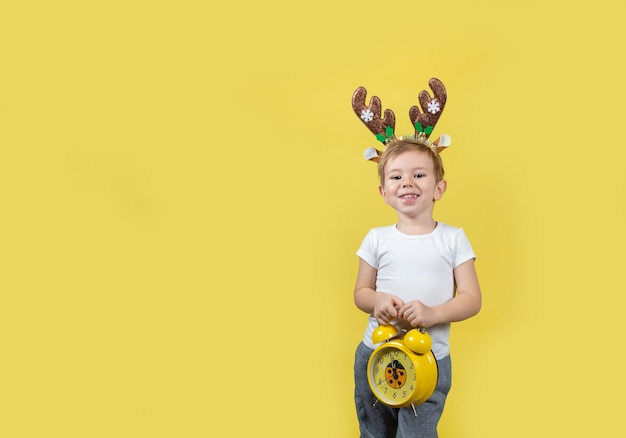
(424, 121)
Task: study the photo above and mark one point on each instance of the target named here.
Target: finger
(398, 302)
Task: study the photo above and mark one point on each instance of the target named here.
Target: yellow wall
(183, 192)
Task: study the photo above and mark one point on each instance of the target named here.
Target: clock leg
(414, 411)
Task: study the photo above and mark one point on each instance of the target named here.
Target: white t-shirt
(416, 268)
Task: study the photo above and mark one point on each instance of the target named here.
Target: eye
(419, 175)
(395, 177)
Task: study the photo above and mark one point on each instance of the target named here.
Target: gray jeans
(377, 420)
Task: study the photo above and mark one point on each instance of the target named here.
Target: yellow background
(183, 192)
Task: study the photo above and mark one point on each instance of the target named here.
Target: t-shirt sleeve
(367, 250)
(462, 248)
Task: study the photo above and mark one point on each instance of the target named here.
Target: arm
(465, 304)
(383, 306)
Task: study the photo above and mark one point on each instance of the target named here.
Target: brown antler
(425, 120)
(383, 129)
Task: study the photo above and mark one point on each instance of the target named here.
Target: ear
(383, 193)
(440, 189)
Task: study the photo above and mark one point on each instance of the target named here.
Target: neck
(414, 227)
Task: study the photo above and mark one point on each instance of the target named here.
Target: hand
(418, 314)
(386, 307)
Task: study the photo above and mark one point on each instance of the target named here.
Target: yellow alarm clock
(402, 371)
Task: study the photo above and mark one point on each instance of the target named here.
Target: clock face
(393, 376)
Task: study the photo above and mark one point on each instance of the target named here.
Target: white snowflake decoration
(367, 115)
(433, 107)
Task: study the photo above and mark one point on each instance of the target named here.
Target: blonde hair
(397, 147)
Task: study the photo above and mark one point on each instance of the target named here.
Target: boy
(416, 273)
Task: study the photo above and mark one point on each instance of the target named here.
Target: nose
(407, 183)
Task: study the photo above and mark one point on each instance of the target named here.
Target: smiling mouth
(409, 196)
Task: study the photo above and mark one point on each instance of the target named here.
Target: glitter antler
(383, 129)
(424, 121)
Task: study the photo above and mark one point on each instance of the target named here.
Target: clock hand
(394, 367)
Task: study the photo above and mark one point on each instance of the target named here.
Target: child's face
(410, 186)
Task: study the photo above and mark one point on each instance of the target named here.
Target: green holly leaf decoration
(389, 131)
(386, 136)
(418, 127)
(428, 130)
